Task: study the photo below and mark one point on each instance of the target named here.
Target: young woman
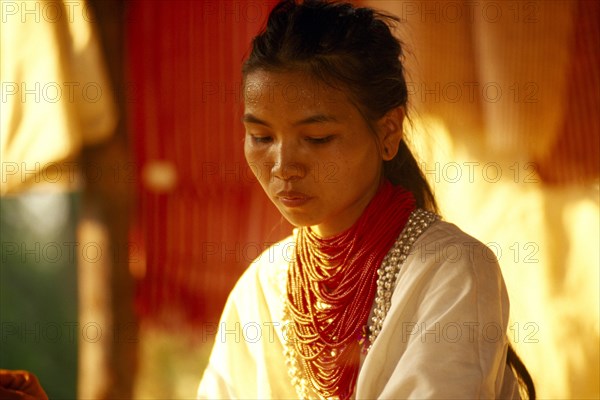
(373, 296)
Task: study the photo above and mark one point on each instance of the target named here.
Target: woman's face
(310, 149)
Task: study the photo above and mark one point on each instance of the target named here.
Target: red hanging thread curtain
(201, 217)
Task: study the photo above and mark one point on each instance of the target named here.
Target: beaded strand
(388, 273)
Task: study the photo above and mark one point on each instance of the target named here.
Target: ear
(390, 132)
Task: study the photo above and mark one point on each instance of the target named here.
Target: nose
(286, 162)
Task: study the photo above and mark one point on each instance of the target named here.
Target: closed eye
(261, 139)
(320, 140)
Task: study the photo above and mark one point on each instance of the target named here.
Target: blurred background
(128, 213)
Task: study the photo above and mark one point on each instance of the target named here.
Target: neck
(340, 225)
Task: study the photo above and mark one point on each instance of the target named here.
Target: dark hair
(352, 48)
(349, 47)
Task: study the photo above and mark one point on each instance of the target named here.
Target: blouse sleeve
(445, 333)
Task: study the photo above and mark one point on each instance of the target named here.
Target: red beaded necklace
(331, 287)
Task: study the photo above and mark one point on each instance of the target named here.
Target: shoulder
(444, 241)
(444, 245)
(446, 259)
(274, 260)
(265, 272)
(277, 254)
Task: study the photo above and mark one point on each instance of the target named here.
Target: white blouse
(444, 335)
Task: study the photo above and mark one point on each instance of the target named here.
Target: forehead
(291, 91)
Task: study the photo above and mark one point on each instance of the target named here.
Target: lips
(292, 198)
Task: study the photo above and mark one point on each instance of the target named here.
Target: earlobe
(391, 132)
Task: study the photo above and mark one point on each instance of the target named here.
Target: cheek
(358, 158)
(248, 153)
(256, 162)
(362, 166)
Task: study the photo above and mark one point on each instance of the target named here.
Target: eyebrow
(313, 119)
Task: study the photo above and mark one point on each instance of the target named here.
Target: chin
(299, 220)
